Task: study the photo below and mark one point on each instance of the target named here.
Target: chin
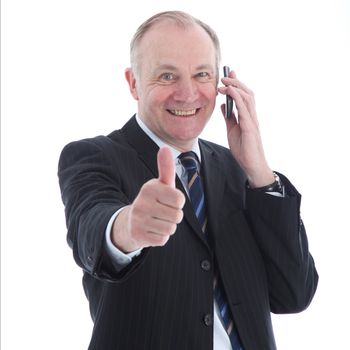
(184, 136)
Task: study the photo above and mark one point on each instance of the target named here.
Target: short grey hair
(181, 19)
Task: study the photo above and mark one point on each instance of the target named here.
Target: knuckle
(179, 216)
(230, 90)
(164, 241)
(172, 229)
(160, 241)
(167, 228)
(146, 189)
(180, 199)
(250, 98)
(149, 187)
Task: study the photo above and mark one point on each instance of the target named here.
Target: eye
(203, 74)
(167, 76)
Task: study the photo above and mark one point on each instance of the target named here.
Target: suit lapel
(213, 180)
(143, 145)
(147, 152)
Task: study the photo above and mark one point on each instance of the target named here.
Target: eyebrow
(170, 67)
(166, 67)
(205, 67)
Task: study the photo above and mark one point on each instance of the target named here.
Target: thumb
(166, 166)
(230, 122)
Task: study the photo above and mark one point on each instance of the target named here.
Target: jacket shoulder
(103, 144)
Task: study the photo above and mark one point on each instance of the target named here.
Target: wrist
(261, 179)
(274, 186)
(119, 236)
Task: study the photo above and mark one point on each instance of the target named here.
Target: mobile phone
(229, 101)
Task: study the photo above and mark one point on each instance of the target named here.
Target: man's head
(183, 20)
(174, 75)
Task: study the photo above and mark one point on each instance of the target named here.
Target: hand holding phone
(229, 101)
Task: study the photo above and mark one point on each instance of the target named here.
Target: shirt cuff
(277, 194)
(119, 259)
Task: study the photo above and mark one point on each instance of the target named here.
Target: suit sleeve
(280, 234)
(91, 193)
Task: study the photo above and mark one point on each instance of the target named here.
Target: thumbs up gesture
(153, 216)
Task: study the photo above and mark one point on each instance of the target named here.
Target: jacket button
(208, 319)
(205, 265)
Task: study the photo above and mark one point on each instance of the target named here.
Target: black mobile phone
(229, 101)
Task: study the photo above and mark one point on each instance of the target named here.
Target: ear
(130, 78)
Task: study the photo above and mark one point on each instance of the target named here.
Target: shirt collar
(160, 143)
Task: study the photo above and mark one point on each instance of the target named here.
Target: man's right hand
(153, 216)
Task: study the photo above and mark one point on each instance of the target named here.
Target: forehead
(170, 41)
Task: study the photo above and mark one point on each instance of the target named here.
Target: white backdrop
(63, 79)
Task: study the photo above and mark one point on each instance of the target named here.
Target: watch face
(278, 184)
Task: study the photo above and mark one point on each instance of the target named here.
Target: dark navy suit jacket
(164, 298)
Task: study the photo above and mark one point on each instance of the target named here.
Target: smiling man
(176, 92)
(184, 244)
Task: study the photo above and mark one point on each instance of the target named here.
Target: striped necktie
(195, 190)
(190, 162)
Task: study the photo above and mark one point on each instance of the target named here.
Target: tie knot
(190, 161)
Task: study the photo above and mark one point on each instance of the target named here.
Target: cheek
(208, 93)
(157, 98)
(212, 92)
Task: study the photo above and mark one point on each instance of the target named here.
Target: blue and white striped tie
(195, 189)
(190, 162)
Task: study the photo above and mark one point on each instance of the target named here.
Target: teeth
(182, 113)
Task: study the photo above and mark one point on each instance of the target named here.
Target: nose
(186, 90)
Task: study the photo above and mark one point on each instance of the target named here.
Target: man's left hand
(243, 133)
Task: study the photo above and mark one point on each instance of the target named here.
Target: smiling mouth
(183, 113)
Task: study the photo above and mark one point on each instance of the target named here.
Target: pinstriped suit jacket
(164, 298)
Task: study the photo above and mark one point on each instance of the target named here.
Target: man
(184, 244)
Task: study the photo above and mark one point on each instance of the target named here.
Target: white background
(63, 79)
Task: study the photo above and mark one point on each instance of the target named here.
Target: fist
(155, 213)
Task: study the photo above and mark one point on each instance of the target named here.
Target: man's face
(176, 84)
